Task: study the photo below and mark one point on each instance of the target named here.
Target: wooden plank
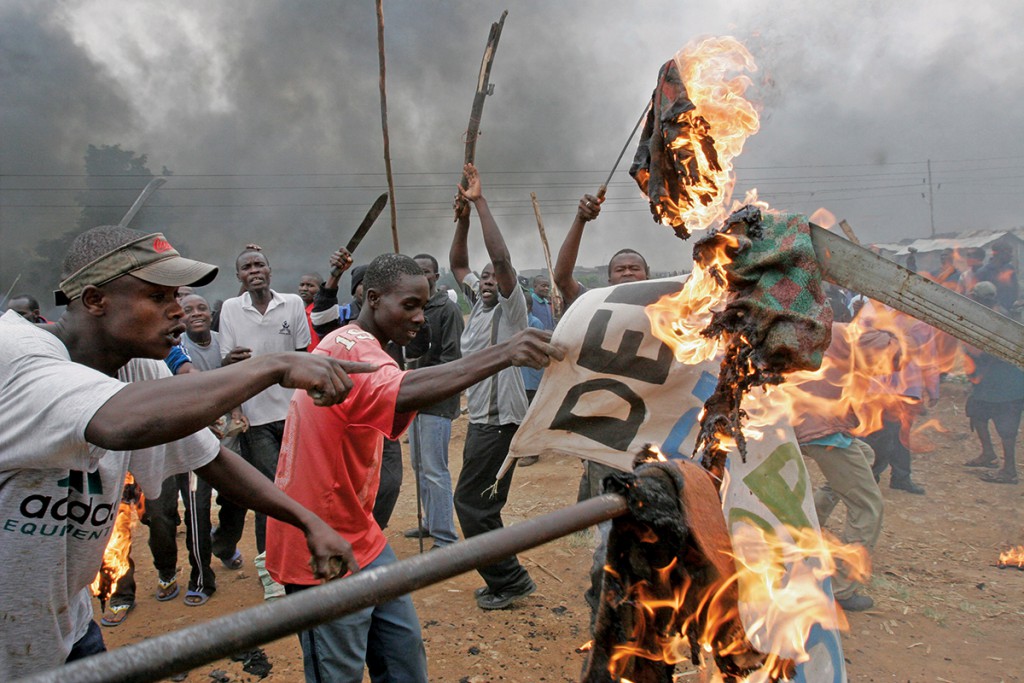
(861, 270)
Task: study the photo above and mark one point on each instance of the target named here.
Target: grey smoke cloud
(268, 114)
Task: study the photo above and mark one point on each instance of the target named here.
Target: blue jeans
(88, 645)
(428, 445)
(384, 637)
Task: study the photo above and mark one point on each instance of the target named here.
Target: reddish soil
(943, 611)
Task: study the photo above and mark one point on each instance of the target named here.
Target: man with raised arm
(626, 265)
(497, 405)
(76, 420)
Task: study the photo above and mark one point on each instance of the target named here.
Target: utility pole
(931, 197)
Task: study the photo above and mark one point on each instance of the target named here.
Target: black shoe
(419, 532)
(856, 603)
(505, 597)
(482, 590)
(908, 486)
(983, 461)
(1000, 477)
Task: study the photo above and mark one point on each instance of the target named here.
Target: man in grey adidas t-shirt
(497, 405)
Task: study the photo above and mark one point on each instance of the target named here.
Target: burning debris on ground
(1012, 558)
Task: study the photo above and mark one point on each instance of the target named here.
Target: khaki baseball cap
(150, 258)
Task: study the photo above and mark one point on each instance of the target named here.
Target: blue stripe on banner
(702, 389)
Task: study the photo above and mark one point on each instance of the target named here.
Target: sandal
(235, 562)
(116, 614)
(982, 461)
(1000, 477)
(167, 590)
(196, 598)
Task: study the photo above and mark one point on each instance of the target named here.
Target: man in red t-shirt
(330, 462)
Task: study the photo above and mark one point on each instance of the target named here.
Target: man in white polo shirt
(258, 322)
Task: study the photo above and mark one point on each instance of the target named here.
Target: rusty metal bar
(865, 272)
(158, 658)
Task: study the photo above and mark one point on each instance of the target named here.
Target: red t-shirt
(330, 458)
(312, 333)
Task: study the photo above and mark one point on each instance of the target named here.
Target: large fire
(779, 578)
(779, 575)
(115, 557)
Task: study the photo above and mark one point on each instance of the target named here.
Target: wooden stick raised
(384, 122)
(556, 296)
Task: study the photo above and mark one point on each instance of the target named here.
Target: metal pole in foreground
(158, 658)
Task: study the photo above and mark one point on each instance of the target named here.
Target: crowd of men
(315, 395)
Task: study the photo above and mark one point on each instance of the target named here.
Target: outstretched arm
(243, 484)
(137, 415)
(497, 252)
(590, 207)
(458, 255)
(426, 386)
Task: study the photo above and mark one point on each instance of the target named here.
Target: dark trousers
(260, 447)
(478, 502)
(124, 592)
(88, 645)
(890, 451)
(162, 517)
(390, 482)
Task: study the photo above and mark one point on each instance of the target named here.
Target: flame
(679, 319)
(115, 556)
(1014, 557)
(779, 579)
(716, 130)
(824, 218)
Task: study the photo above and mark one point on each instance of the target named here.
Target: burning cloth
(777, 318)
(620, 388)
(665, 166)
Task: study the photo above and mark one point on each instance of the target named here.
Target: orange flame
(1014, 557)
(781, 600)
(115, 556)
(722, 118)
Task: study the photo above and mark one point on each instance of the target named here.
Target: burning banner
(621, 388)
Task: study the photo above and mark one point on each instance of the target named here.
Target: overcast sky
(268, 114)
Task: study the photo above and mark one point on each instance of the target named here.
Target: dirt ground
(943, 611)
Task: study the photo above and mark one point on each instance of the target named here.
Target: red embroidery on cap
(161, 245)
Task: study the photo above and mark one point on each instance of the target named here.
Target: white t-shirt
(282, 328)
(499, 399)
(58, 493)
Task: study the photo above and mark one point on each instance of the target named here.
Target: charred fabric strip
(665, 166)
(131, 497)
(777, 319)
(666, 558)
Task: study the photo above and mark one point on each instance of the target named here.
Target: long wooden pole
(384, 122)
(483, 89)
(556, 295)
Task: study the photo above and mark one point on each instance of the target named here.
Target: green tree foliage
(114, 179)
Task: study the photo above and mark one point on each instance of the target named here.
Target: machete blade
(364, 227)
